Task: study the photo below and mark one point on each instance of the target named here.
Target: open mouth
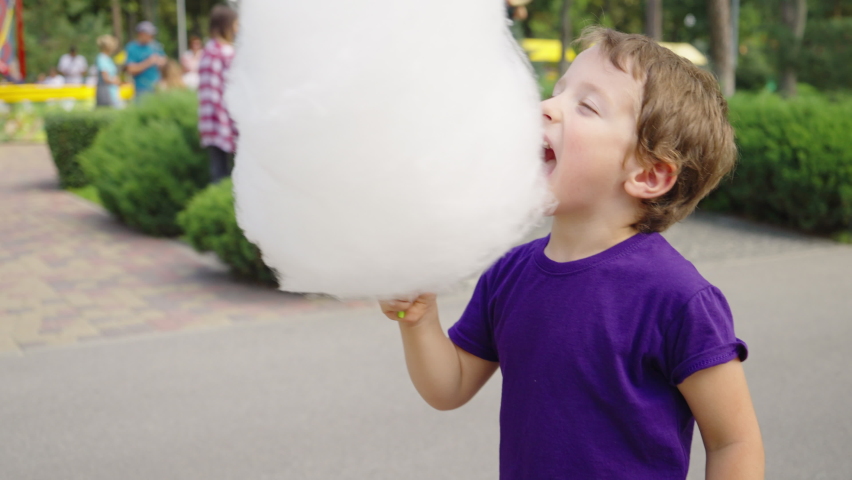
(549, 157)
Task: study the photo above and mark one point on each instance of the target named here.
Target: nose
(549, 111)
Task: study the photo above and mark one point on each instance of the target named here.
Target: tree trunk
(150, 9)
(567, 35)
(721, 51)
(654, 19)
(131, 24)
(116, 22)
(794, 13)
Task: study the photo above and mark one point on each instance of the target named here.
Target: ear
(651, 182)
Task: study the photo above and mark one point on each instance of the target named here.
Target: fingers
(407, 309)
(426, 298)
(391, 308)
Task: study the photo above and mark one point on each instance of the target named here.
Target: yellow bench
(44, 93)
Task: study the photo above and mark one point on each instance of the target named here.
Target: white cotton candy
(386, 147)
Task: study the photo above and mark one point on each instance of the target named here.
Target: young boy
(610, 343)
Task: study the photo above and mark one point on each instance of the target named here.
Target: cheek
(595, 149)
(582, 141)
(580, 154)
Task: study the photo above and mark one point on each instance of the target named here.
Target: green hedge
(795, 166)
(68, 134)
(148, 164)
(209, 224)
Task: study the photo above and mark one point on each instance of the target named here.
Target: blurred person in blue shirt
(106, 93)
(144, 58)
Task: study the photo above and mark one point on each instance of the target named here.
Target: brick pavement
(70, 273)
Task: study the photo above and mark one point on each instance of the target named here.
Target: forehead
(593, 67)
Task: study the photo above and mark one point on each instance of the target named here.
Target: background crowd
(202, 68)
(142, 61)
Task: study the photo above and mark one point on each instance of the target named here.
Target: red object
(22, 54)
(215, 125)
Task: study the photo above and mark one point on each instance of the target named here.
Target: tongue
(549, 155)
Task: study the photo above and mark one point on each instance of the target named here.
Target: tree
(51, 27)
(721, 52)
(794, 14)
(149, 9)
(566, 33)
(116, 22)
(654, 19)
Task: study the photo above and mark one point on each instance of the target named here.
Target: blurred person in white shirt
(73, 67)
(190, 60)
(54, 79)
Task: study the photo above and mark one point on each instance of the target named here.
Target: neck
(574, 239)
(222, 40)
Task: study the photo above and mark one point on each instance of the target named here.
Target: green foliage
(148, 163)
(24, 121)
(69, 134)
(544, 20)
(826, 58)
(89, 192)
(210, 225)
(795, 165)
(843, 237)
(51, 27)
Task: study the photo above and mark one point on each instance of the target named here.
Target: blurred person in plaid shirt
(217, 129)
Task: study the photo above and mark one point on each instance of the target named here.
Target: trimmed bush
(210, 224)
(68, 134)
(148, 163)
(795, 165)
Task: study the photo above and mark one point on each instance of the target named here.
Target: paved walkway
(70, 273)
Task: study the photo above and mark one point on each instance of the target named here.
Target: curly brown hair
(683, 121)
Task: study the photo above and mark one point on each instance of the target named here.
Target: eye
(587, 108)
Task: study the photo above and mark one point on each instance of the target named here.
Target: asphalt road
(326, 395)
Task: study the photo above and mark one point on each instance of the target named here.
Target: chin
(552, 206)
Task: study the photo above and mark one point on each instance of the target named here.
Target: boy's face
(590, 134)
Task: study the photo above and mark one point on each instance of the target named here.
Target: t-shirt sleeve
(474, 331)
(701, 336)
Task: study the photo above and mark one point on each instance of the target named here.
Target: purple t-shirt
(591, 353)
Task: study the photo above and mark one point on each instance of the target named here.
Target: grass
(843, 237)
(89, 192)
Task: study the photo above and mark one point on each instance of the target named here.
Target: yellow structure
(547, 50)
(44, 93)
(687, 51)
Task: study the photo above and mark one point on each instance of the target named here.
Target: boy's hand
(413, 310)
